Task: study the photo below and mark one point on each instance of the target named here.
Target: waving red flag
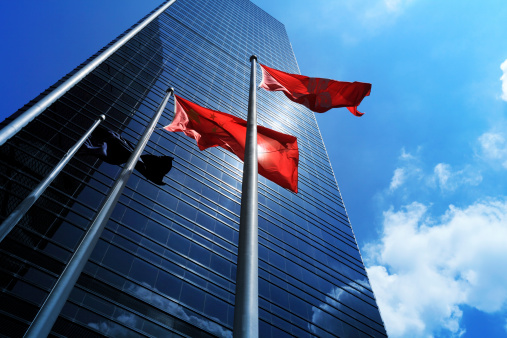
(278, 153)
(318, 94)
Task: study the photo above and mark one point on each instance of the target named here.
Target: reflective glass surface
(166, 263)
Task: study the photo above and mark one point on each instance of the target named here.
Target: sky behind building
(422, 173)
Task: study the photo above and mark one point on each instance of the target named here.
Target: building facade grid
(165, 264)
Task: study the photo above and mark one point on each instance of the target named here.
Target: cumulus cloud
(494, 147)
(503, 78)
(425, 269)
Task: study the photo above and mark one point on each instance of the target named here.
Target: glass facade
(166, 262)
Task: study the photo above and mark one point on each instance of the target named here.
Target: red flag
(278, 153)
(318, 94)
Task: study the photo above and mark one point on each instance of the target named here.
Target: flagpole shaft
(22, 120)
(10, 222)
(48, 313)
(246, 309)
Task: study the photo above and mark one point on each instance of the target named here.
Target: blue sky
(422, 173)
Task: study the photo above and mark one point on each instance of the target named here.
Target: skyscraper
(165, 264)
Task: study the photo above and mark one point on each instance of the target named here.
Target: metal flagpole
(10, 222)
(22, 120)
(48, 313)
(246, 309)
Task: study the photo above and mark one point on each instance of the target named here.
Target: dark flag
(278, 153)
(110, 147)
(317, 94)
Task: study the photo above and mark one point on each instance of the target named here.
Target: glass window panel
(192, 297)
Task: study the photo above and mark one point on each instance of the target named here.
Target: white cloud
(393, 5)
(424, 269)
(442, 173)
(352, 19)
(449, 180)
(399, 177)
(410, 172)
(407, 156)
(503, 78)
(494, 147)
(380, 9)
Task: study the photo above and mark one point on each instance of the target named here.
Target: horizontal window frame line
(106, 319)
(18, 277)
(319, 241)
(74, 200)
(11, 294)
(317, 221)
(296, 226)
(56, 190)
(120, 305)
(304, 319)
(204, 247)
(26, 175)
(129, 279)
(316, 267)
(125, 276)
(16, 318)
(212, 271)
(339, 276)
(173, 251)
(187, 219)
(26, 262)
(324, 294)
(66, 318)
(178, 183)
(193, 222)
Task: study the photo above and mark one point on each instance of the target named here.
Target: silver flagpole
(22, 120)
(48, 313)
(246, 309)
(10, 222)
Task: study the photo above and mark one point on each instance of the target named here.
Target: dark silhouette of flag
(317, 94)
(110, 147)
(278, 153)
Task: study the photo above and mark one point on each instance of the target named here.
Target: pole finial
(253, 57)
(102, 117)
(170, 89)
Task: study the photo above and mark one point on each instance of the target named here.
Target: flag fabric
(278, 153)
(110, 147)
(317, 94)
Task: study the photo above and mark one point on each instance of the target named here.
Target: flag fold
(278, 154)
(317, 94)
